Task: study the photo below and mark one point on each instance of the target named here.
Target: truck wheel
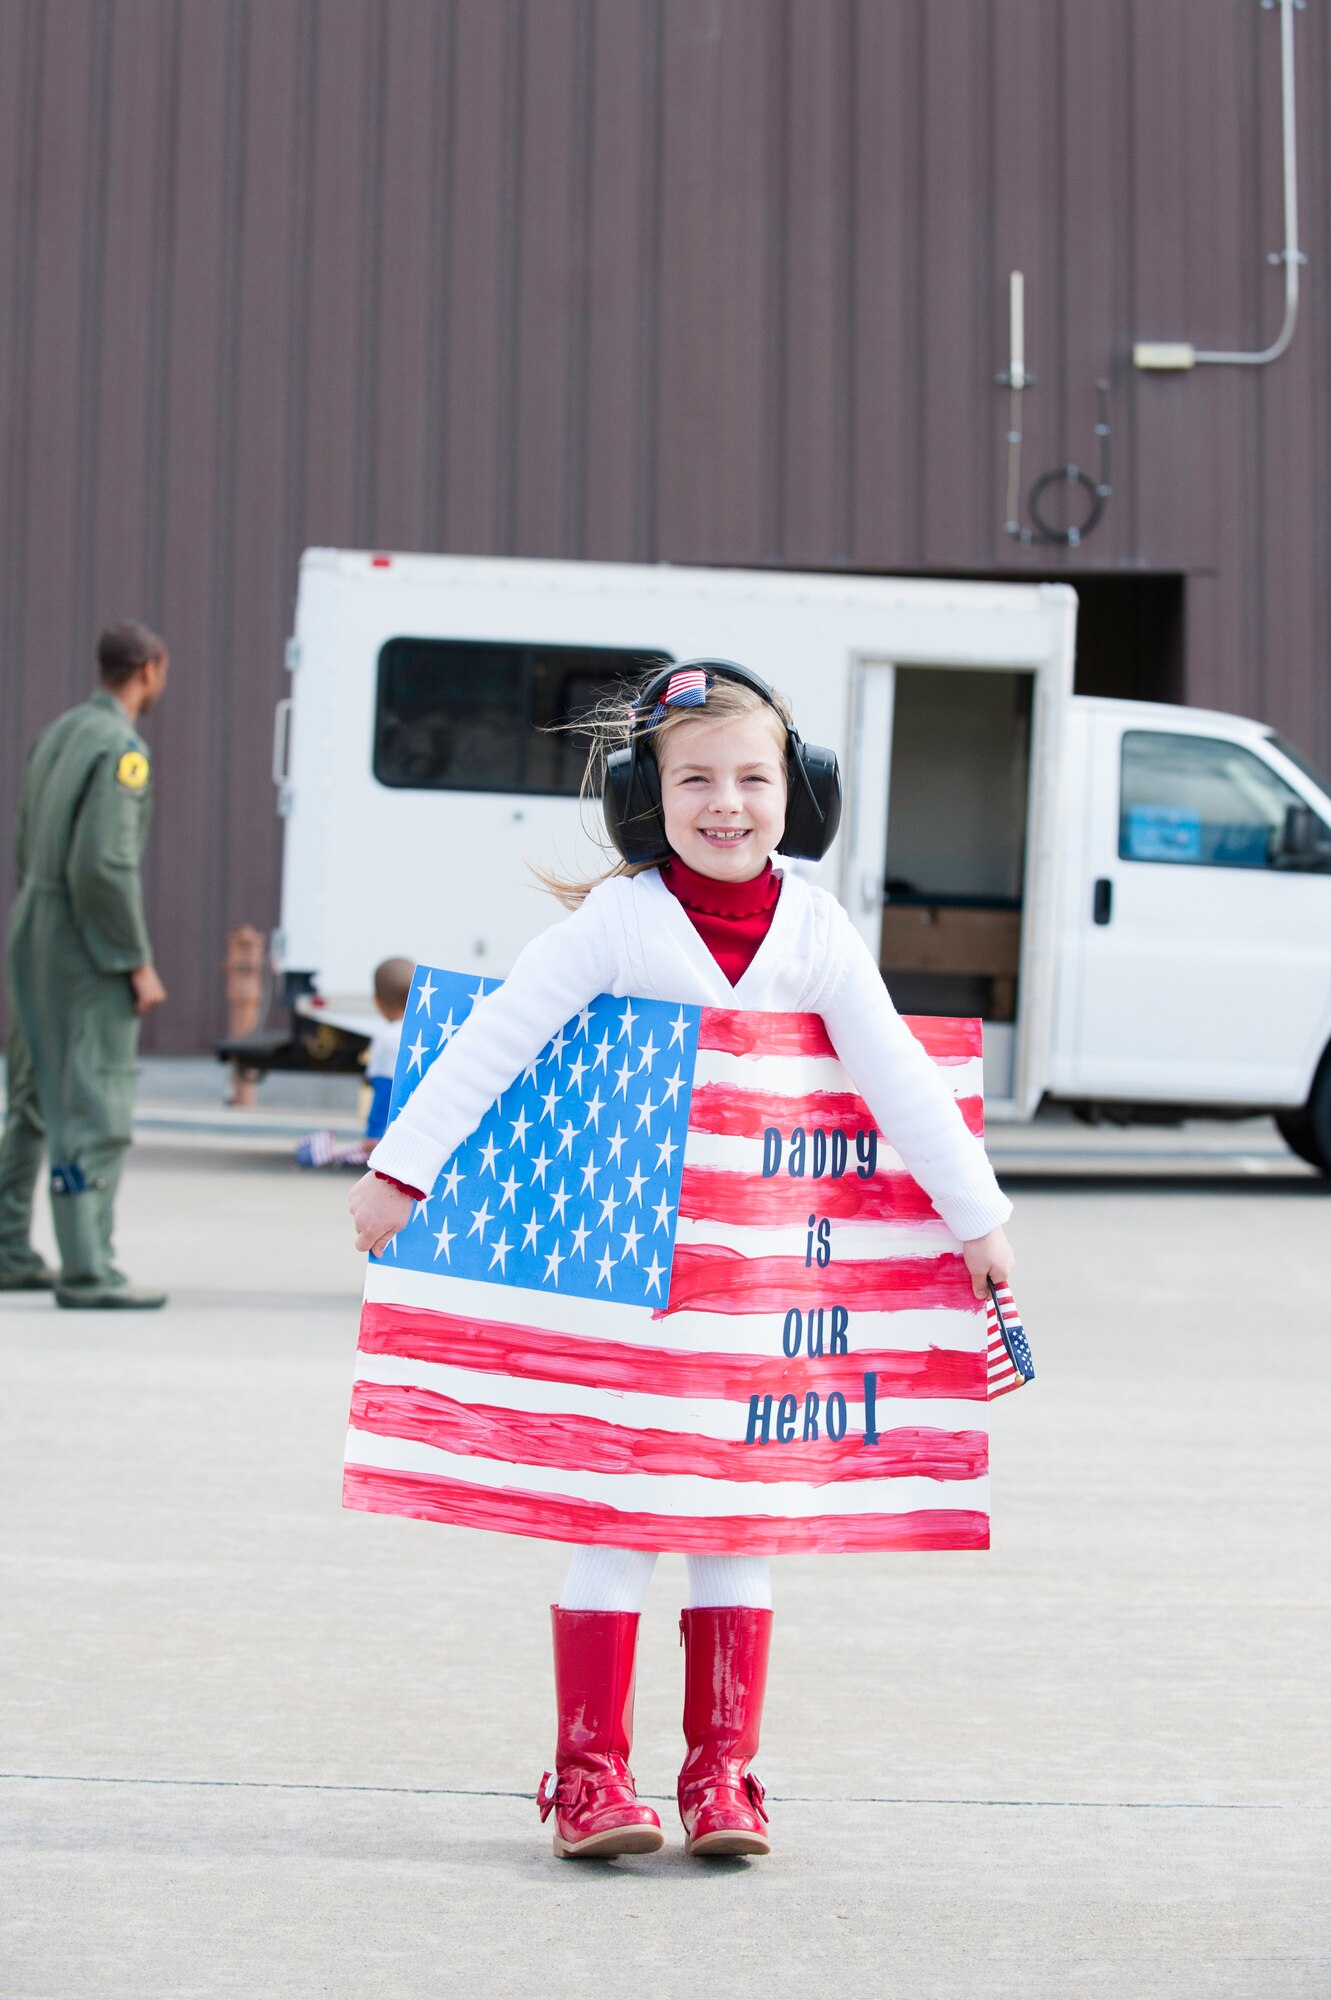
(1307, 1131)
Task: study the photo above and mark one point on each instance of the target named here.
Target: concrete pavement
(255, 1746)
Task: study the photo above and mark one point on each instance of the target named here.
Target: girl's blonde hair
(610, 727)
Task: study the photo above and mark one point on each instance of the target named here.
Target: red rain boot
(725, 1679)
(593, 1800)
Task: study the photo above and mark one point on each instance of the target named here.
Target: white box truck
(1136, 898)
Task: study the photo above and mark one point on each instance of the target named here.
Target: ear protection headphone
(631, 795)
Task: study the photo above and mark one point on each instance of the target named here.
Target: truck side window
(469, 715)
(1199, 799)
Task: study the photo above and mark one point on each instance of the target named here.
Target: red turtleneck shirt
(731, 918)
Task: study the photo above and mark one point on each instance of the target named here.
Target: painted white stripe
(678, 1494)
(745, 1156)
(799, 1076)
(708, 1416)
(911, 1329)
(851, 1241)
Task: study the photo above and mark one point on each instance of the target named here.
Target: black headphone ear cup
(813, 801)
(631, 801)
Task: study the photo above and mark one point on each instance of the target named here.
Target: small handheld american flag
(1010, 1364)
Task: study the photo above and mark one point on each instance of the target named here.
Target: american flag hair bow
(686, 689)
(1010, 1364)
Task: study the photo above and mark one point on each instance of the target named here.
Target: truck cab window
(475, 716)
(1200, 799)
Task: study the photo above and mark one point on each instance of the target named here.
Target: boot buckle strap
(567, 1791)
(754, 1788)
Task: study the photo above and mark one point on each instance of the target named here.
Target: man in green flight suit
(81, 977)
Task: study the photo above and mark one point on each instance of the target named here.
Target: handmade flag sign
(676, 1292)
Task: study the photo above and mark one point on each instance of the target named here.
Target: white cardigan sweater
(632, 937)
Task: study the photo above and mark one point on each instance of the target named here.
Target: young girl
(705, 778)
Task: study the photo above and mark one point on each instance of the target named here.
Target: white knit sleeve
(552, 977)
(905, 1093)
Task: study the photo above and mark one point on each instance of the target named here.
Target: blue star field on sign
(571, 1182)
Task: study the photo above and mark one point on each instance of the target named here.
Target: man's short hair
(392, 983)
(123, 649)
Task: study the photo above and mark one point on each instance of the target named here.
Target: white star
(552, 1264)
(654, 1274)
(550, 1102)
(665, 1152)
(589, 1172)
(417, 1053)
(604, 1267)
(577, 1070)
(608, 1207)
(423, 1208)
(602, 1052)
(447, 1029)
(594, 1110)
(585, 1020)
(648, 1056)
(678, 1029)
(632, 1239)
(672, 1087)
(662, 1214)
(645, 1110)
(636, 1179)
(558, 1043)
(425, 993)
(499, 1252)
(626, 1020)
(622, 1075)
(520, 1129)
(489, 1154)
(443, 1241)
(510, 1187)
(538, 1167)
(580, 1235)
(451, 1180)
(479, 994)
(531, 1229)
(566, 1138)
(480, 1219)
(616, 1145)
(529, 1074)
(559, 1202)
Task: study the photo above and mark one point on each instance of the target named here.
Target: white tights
(617, 1580)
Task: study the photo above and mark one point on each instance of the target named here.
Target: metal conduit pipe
(1178, 354)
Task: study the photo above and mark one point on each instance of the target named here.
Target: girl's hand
(378, 1212)
(988, 1257)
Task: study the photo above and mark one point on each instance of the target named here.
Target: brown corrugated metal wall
(713, 280)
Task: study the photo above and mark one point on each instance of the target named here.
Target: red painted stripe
(423, 1497)
(715, 1194)
(573, 1443)
(715, 1279)
(737, 1032)
(494, 1348)
(732, 1112)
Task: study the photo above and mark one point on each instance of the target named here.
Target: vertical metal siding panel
(621, 389)
(55, 642)
(721, 240)
(1165, 405)
(889, 252)
(475, 283)
(20, 64)
(407, 278)
(337, 251)
(116, 466)
(818, 139)
(259, 582)
(185, 884)
(1028, 187)
(546, 279)
(954, 366)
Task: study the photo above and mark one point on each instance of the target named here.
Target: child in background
(705, 777)
(392, 986)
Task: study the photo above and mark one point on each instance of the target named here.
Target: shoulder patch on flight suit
(132, 771)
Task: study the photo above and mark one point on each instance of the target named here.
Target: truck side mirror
(1304, 843)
